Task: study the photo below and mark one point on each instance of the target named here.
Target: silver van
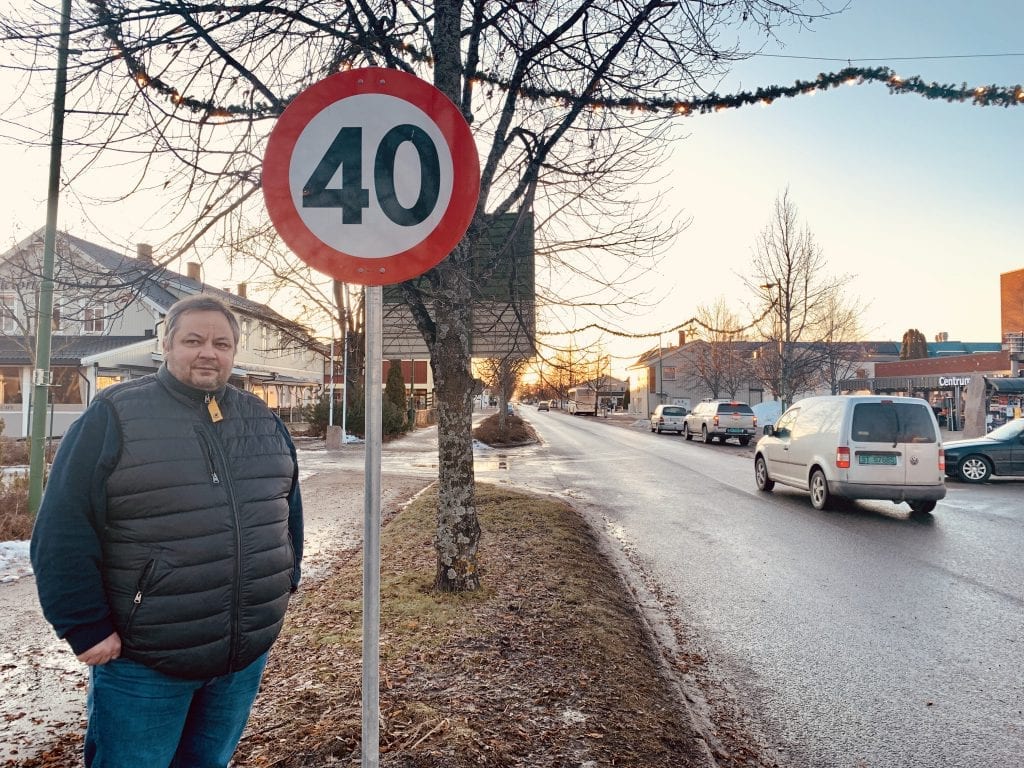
(855, 447)
(668, 418)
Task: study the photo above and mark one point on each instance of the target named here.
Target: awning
(1006, 386)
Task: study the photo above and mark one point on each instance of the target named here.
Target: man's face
(202, 350)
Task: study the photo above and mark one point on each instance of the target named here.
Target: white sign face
(371, 176)
(388, 190)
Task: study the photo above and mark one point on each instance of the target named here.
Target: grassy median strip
(547, 664)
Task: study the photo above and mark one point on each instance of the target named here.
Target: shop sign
(954, 381)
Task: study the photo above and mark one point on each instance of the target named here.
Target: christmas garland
(984, 95)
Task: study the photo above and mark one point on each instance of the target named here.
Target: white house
(107, 327)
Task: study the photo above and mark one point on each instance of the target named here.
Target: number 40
(346, 152)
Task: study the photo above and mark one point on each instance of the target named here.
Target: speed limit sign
(371, 176)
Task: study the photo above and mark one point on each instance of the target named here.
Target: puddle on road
(497, 463)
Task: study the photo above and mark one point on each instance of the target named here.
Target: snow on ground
(14, 563)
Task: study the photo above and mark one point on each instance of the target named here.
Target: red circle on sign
(307, 244)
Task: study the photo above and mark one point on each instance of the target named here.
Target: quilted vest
(197, 557)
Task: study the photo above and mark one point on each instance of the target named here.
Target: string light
(987, 95)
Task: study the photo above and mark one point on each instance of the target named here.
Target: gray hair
(198, 303)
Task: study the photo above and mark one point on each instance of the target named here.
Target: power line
(888, 58)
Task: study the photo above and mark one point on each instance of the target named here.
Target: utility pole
(44, 319)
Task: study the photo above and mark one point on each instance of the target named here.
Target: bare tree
(202, 84)
(792, 281)
(718, 363)
(502, 374)
(839, 346)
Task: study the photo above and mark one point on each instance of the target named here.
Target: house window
(67, 387)
(108, 380)
(10, 385)
(93, 319)
(669, 373)
(264, 338)
(244, 331)
(8, 314)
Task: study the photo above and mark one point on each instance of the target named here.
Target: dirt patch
(516, 431)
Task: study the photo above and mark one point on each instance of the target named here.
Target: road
(858, 637)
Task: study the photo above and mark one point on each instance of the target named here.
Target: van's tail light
(715, 421)
(755, 422)
(942, 460)
(843, 457)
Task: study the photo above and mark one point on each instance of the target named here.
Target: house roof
(871, 349)
(946, 348)
(162, 286)
(64, 350)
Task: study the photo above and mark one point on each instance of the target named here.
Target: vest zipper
(139, 589)
(213, 445)
(208, 453)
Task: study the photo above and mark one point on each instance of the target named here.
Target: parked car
(1000, 452)
(722, 419)
(542, 405)
(855, 447)
(668, 418)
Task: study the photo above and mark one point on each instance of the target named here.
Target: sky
(920, 201)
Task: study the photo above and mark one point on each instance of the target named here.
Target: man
(165, 549)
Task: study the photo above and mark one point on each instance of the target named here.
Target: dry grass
(15, 521)
(546, 665)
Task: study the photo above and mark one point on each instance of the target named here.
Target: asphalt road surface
(858, 637)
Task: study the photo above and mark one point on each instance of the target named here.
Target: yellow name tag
(214, 410)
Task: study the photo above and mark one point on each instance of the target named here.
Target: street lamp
(777, 305)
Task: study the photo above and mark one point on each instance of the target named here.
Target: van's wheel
(686, 432)
(744, 441)
(820, 497)
(704, 434)
(764, 483)
(921, 507)
(974, 469)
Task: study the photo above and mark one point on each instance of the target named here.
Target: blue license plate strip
(875, 459)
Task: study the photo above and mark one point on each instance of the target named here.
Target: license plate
(870, 459)
(740, 430)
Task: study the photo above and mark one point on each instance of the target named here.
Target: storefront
(943, 382)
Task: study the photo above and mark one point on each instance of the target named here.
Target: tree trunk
(458, 530)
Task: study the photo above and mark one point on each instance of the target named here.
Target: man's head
(200, 339)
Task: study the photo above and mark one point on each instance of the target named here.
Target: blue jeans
(141, 718)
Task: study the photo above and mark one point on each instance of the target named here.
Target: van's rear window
(892, 423)
(673, 412)
(734, 408)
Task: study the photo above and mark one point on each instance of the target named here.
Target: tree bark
(458, 530)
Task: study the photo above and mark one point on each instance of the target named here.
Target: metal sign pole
(371, 529)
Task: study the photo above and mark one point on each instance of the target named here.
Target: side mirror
(768, 430)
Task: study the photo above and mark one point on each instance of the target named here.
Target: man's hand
(104, 651)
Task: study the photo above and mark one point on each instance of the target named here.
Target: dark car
(1000, 452)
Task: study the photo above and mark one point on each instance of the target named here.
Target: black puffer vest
(197, 558)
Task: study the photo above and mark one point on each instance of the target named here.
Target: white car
(668, 418)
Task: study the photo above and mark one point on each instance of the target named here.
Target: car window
(735, 408)
(785, 423)
(674, 411)
(892, 423)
